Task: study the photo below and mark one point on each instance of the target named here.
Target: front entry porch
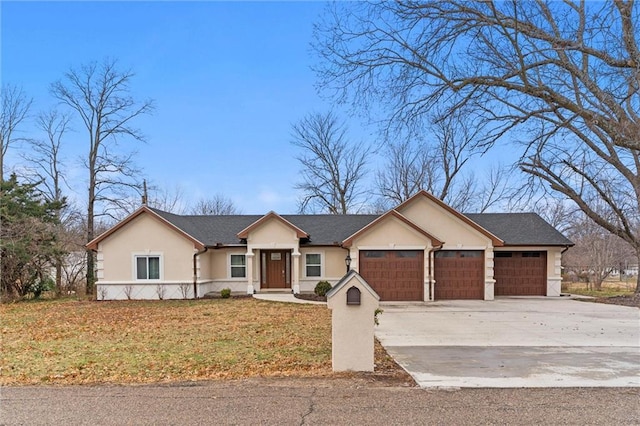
(277, 270)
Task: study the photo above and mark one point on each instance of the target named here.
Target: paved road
(313, 402)
(514, 342)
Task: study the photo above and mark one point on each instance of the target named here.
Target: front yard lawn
(73, 342)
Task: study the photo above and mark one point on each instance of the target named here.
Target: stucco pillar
(295, 275)
(353, 304)
(489, 281)
(100, 263)
(554, 280)
(355, 259)
(249, 269)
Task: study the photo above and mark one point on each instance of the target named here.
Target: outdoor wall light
(347, 261)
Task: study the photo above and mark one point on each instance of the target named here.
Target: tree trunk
(58, 277)
(597, 282)
(638, 276)
(90, 258)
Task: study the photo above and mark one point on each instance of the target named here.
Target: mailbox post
(353, 304)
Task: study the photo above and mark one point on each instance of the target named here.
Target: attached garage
(459, 274)
(394, 274)
(520, 273)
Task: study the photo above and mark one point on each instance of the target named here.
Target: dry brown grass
(72, 342)
(66, 342)
(610, 287)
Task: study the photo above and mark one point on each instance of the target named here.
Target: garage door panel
(459, 274)
(520, 273)
(394, 275)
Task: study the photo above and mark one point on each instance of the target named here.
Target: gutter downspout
(431, 289)
(195, 271)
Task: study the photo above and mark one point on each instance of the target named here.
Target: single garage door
(394, 274)
(520, 273)
(459, 274)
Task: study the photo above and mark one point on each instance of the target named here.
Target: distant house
(422, 250)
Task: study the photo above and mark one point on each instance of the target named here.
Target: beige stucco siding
(443, 225)
(273, 233)
(146, 235)
(203, 262)
(219, 261)
(391, 233)
(332, 261)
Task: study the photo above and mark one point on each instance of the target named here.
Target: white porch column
(295, 274)
(249, 268)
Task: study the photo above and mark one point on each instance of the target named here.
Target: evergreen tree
(29, 242)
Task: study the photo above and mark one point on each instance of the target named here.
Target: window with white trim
(238, 263)
(148, 267)
(313, 264)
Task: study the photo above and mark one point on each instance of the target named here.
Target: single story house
(422, 250)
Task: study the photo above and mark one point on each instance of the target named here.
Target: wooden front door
(275, 269)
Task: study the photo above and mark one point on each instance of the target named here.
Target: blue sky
(228, 80)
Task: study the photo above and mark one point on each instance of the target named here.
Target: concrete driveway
(514, 342)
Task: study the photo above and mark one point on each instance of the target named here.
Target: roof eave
(93, 244)
(538, 245)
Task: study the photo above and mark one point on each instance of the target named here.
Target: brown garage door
(459, 274)
(520, 273)
(394, 274)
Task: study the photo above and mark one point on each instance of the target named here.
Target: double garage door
(398, 275)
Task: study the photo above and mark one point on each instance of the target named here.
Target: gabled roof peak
(93, 244)
(422, 193)
(271, 215)
(392, 213)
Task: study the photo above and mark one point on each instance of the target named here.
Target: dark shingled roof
(520, 229)
(322, 229)
(328, 229)
(512, 228)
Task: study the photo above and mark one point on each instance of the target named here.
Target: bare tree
(456, 138)
(15, 107)
(439, 166)
(409, 168)
(99, 94)
(495, 190)
(597, 253)
(562, 78)
(168, 199)
(46, 172)
(333, 168)
(216, 205)
(45, 156)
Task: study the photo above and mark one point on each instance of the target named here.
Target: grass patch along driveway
(73, 342)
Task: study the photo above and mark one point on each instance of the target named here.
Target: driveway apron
(514, 342)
